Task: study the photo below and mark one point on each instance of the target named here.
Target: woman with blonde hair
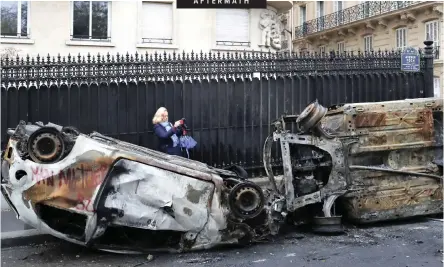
(167, 133)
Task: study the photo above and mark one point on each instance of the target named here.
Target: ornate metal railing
(186, 66)
(352, 14)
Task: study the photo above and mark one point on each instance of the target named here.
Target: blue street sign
(410, 60)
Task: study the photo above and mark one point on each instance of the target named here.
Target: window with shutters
(303, 18)
(364, 9)
(91, 20)
(302, 14)
(14, 18)
(341, 47)
(368, 43)
(322, 49)
(432, 32)
(233, 27)
(157, 22)
(401, 38)
(319, 15)
(339, 14)
(436, 87)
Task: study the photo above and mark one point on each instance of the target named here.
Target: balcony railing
(349, 15)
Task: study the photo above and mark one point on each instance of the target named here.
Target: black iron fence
(228, 100)
(350, 15)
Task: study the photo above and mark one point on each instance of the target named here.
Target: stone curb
(25, 238)
(34, 236)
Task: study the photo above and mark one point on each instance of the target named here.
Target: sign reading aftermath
(410, 60)
(222, 4)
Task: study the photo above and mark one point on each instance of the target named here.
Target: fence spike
(241, 63)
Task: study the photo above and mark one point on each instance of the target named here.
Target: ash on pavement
(409, 243)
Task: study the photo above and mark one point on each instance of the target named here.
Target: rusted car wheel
(46, 145)
(311, 116)
(246, 200)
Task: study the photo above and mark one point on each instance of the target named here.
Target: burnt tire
(310, 116)
(46, 145)
(246, 200)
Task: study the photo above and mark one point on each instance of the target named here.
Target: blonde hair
(158, 115)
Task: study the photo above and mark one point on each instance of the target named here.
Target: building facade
(73, 27)
(322, 26)
(62, 27)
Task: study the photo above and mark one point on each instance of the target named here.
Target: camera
(183, 126)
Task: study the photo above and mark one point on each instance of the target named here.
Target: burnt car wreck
(365, 162)
(104, 193)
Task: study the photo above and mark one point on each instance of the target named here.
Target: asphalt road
(410, 243)
(8, 220)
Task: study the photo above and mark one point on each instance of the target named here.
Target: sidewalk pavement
(15, 233)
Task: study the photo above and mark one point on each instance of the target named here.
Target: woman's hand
(176, 124)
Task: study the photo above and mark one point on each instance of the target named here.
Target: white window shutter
(401, 38)
(338, 5)
(318, 9)
(368, 46)
(341, 47)
(157, 20)
(433, 32)
(436, 87)
(302, 14)
(233, 25)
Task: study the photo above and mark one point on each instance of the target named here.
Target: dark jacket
(165, 141)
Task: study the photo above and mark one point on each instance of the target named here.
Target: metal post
(291, 28)
(428, 68)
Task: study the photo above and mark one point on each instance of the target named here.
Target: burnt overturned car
(100, 192)
(365, 162)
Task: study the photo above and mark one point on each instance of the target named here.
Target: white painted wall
(50, 30)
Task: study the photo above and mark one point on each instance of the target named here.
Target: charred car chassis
(367, 162)
(371, 161)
